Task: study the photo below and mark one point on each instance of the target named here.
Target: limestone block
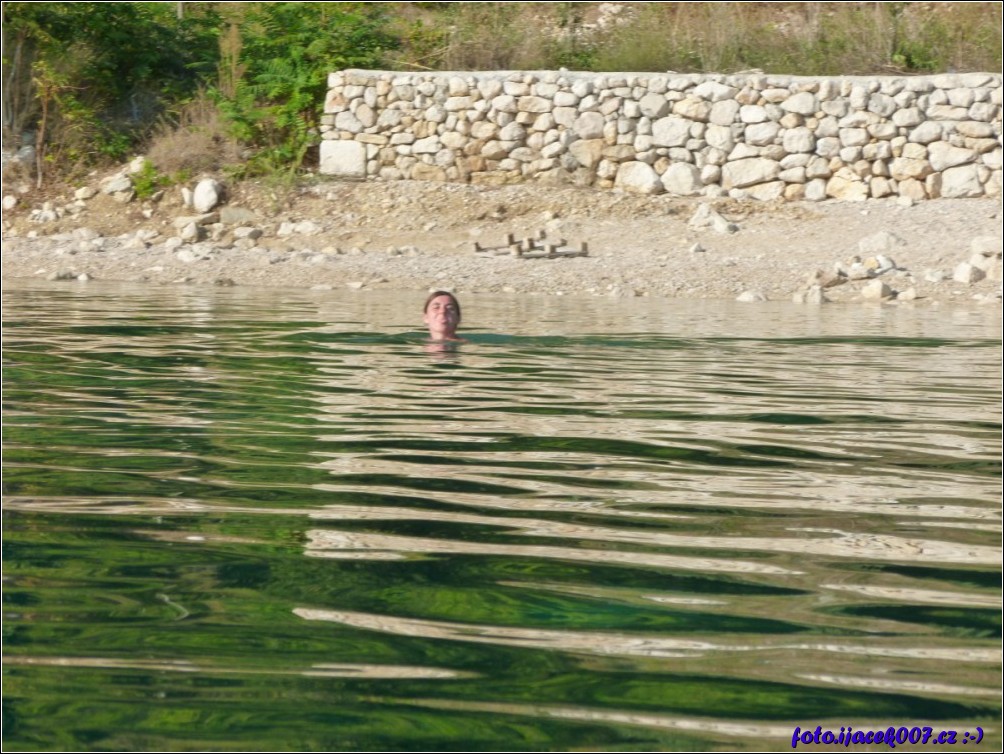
(423, 172)
(489, 88)
(543, 122)
(504, 103)
(835, 108)
(388, 119)
(794, 192)
(803, 103)
(532, 104)
(947, 112)
(967, 273)
(484, 130)
(753, 114)
(792, 175)
(882, 105)
(879, 187)
(654, 105)
(428, 145)
(565, 116)
(637, 177)
(884, 131)
(876, 290)
(815, 190)
(911, 188)
(714, 91)
(974, 129)
(582, 88)
(116, 184)
(908, 117)
(552, 150)
(344, 159)
(692, 108)
(984, 111)
(775, 95)
(903, 168)
(670, 131)
(925, 133)
(854, 137)
(719, 137)
(610, 106)
(589, 125)
(682, 179)
(587, 152)
(494, 150)
(846, 186)
(792, 120)
(817, 167)
(606, 170)
(565, 99)
(993, 160)
(456, 104)
(610, 132)
(961, 97)
(943, 155)
(959, 182)
(453, 140)
(797, 140)
(523, 154)
(724, 113)
(512, 132)
(365, 114)
(207, 195)
(919, 84)
(347, 121)
(766, 192)
(795, 160)
(748, 172)
(761, 134)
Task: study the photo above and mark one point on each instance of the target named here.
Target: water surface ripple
(245, 519)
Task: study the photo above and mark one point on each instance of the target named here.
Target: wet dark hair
(437, 294)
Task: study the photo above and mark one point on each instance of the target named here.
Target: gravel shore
(412, 236)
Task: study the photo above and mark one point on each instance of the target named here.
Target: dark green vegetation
(209, 86)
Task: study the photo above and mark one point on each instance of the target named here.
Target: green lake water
(254, 520)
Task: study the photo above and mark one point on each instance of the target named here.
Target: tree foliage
(100, 72)
(287, 51)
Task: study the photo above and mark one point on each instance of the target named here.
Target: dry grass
(197, 142)
(806, 38)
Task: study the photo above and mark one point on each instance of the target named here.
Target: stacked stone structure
(744, 135)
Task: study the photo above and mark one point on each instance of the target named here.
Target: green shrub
(280, 69)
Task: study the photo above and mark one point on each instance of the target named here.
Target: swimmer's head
(436, 294)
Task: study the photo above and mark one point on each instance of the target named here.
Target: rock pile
(741, 135)
(864, 275)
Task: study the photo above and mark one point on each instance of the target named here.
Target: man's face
(441, 315)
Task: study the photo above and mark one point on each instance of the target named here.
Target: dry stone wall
(741, 135)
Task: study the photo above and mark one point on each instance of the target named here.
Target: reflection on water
(243, 519)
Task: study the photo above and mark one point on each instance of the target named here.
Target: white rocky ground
(412, 236)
